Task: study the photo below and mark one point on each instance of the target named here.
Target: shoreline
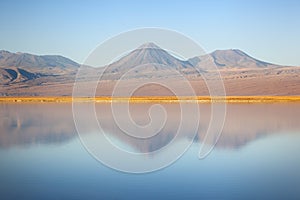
(154, 99)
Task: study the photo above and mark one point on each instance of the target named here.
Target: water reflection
(28, 124)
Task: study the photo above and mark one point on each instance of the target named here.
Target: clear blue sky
(267, 30)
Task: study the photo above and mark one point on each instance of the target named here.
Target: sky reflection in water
(256, 156)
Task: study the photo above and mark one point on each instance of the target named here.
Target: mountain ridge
(22, 67)
(19, 59)
(28, 74)
(150, 53)
(64, 62)
(230, 58)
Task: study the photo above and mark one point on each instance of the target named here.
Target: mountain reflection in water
(28, 124)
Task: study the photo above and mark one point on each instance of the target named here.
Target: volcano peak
(149, 45)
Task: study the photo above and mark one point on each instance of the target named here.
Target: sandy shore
(154, 99)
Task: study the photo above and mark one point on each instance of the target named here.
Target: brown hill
(30, 75)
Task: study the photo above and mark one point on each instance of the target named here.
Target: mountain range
(23, 74)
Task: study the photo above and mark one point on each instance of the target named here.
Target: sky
(266, 30)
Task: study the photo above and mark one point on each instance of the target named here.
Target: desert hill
(23, 74)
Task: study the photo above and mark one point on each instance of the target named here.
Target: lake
(43, 157)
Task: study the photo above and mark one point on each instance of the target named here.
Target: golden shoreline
(154, 99)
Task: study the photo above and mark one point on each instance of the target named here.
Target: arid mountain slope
(23, 74)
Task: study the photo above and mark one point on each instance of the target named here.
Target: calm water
(257, 156)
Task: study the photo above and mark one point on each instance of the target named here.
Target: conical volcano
(148, 57)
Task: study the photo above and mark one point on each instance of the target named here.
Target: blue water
(257, 157)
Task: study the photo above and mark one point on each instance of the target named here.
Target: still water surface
(257, 156)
